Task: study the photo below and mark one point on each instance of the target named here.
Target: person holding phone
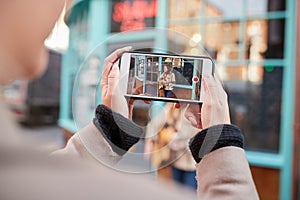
(78, 171)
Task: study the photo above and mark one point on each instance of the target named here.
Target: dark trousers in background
(168, 93)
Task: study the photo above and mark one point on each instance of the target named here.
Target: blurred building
(37, 101)
(253, 43)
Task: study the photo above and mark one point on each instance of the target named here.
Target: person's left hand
(111, 94)
(214, 110)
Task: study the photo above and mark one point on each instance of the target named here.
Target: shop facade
(252, 42)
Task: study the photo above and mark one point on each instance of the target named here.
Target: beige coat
(76, 172)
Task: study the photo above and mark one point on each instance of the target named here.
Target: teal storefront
(254, 51)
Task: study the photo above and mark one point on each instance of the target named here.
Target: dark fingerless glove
(214, 138)
(119, 132)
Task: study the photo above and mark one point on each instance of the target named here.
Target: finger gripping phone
(164, 77)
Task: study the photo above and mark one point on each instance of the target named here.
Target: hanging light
(58, 40)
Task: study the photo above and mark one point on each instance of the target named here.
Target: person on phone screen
(84, 168)
(167, 79)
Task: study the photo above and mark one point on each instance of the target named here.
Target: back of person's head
(24, 27)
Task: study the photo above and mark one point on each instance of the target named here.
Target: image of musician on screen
(171, 77)
(167, 79)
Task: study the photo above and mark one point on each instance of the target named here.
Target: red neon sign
(132, 14)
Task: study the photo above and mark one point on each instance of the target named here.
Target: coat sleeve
(89, 143)
(223, 171)
(225, 174)
(106, 139)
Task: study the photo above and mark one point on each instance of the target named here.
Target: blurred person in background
(78, 171)
(167, 146)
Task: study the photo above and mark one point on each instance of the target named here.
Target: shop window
(240, 42)
(255, 105)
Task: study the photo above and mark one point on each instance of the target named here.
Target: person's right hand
(214, 109)
(111, 95)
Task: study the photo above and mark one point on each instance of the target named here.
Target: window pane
(275, 38)
(222, 40)
(265, 39)
(256, 39)
(254, 94)
(226, 7)
(186, 39)
(256, 7)
(238, 8)
(179, 9)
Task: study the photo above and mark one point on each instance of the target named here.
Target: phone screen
(165, 77)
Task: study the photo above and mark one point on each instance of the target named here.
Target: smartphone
(164, 77)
